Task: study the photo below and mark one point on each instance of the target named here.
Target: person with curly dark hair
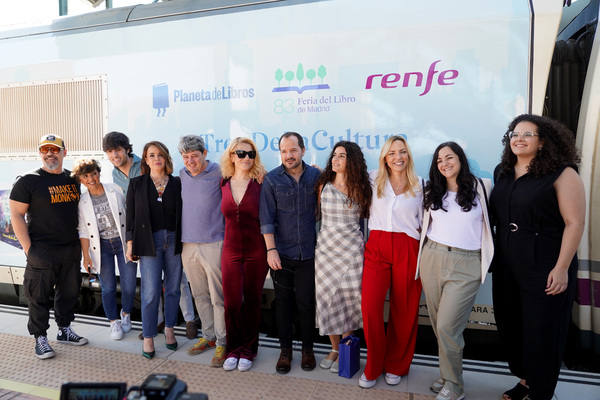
(344, 193)
(453, 262)
(390, 264)
(538, 208)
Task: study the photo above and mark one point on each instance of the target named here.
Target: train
(329, 69)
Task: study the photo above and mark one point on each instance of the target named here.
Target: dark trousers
(51, 268)
(295, 292)
(533, 326)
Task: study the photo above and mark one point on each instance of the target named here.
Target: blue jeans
(151, 270)
(109, 249)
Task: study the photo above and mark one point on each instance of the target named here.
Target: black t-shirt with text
(53, 199)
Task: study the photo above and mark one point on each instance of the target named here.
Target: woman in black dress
(538, 208)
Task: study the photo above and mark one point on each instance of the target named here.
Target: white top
(391, 213)
(455, 227)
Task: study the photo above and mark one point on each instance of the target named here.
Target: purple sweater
(201, 217)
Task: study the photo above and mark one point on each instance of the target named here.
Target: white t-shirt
(455, 227)
(391, 213)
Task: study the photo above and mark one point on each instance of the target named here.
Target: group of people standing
(226, 224)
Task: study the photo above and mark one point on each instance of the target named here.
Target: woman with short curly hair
(102, 236)
(344, 198)
(538, 208)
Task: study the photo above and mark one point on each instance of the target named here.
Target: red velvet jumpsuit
(244, 269)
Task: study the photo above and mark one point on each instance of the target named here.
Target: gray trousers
(202, 265)
(451, 278)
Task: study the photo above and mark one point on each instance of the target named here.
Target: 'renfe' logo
(392, 80)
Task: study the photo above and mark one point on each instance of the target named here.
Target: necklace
(160, 187)
(398, 188)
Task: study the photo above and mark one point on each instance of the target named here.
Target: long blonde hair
(228, 168)
(383, 173)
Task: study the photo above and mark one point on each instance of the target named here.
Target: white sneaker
(116, 331)
(230, 364)
(392, 379)
(125, 322)
(244, 364)
(365, 383)
(448, 394)
(437, 385)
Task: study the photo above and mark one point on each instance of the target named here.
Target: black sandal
(519, 392)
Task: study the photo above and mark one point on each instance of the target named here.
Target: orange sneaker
(200, 346)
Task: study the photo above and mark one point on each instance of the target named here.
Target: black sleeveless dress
(532, 324)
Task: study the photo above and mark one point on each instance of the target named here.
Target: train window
(75, 109)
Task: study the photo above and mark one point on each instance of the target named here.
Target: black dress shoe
(284, 364)
(148, 354)
(308, 360)
(172, 346)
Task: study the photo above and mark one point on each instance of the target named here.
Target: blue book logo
(160, 98)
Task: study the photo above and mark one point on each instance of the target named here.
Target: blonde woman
(244, 258)
(390, 263)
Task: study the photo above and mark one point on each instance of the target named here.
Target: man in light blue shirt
(120, 153)
(202, 233)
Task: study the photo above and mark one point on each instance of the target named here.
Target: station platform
(23, 376)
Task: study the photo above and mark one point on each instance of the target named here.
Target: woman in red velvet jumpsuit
(244, 259)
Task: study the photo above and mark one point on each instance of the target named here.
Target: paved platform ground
(107, 360)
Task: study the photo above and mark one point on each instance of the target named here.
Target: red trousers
(390, 263)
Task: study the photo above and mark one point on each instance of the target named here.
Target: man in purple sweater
(202, 232)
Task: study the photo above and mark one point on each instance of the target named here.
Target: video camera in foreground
(155, 387)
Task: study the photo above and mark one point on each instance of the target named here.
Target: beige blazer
(487, 243)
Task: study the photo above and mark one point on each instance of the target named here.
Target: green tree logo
(300, 74)
(278, 76)
(289, 76)
(322, 72)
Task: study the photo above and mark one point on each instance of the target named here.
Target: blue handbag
(349, 356)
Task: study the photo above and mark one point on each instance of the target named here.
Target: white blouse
(455, 227)
(391, 213)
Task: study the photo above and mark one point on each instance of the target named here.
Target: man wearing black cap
(48, 197)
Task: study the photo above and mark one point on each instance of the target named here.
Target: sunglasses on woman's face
(243, 153)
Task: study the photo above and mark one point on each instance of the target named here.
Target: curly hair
(163, 150)
(558, 149)
(383, 172)
(357, 176)
(436, 187)
(228, 168)
(84, 166)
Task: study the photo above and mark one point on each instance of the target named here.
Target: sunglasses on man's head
(243, 153)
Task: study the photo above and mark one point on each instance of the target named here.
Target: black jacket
(139, 228)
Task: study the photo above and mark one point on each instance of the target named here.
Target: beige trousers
(202, 266)
(451, 278)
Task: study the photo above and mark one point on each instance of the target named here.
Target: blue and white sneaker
(125, 322)
(67, 335)
(42, 348)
